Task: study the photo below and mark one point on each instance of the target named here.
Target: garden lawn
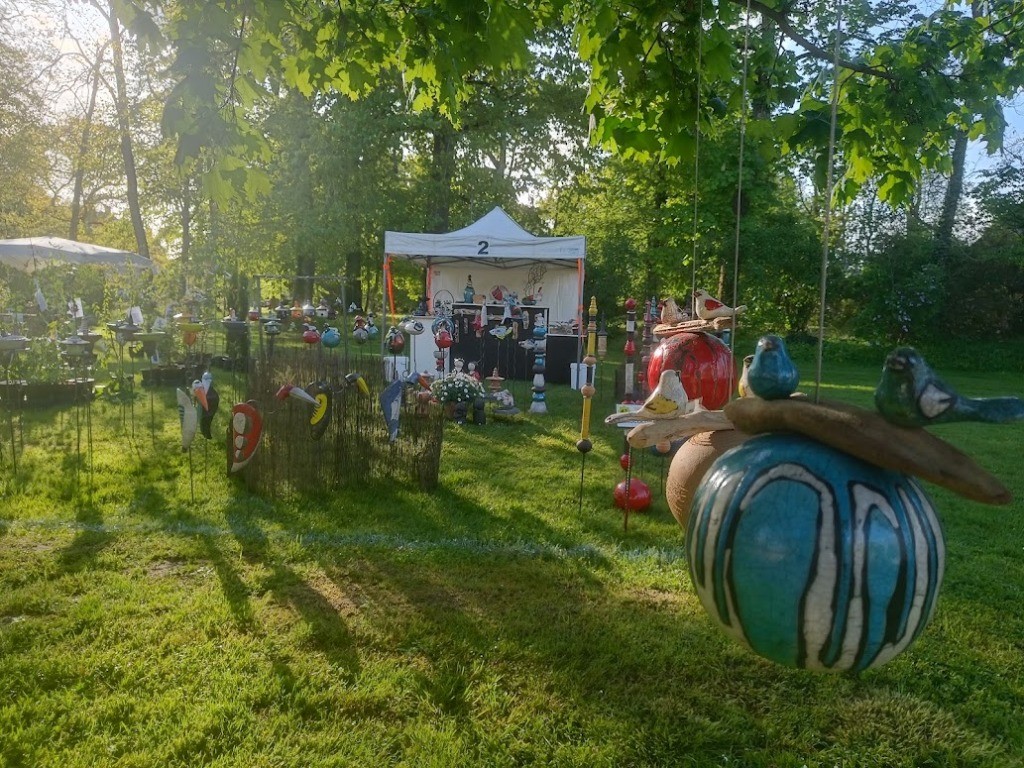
(500, 620)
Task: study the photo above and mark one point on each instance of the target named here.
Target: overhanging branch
(809, 45)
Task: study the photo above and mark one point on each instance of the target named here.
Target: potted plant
(456, 387)
(48, 378)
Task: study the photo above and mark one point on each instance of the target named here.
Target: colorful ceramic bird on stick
(189, 419)
(910, 394)
(246, 432)
(354, 379)
(290, 390)
(391, 406)
(320, 418)
(708, 308)
(772, 375)
(210, 401)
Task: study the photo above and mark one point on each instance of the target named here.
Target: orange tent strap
(391, 286)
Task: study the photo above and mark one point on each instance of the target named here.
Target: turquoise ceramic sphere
(811, 557)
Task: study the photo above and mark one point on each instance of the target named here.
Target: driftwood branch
(869, 437)
(653, 432)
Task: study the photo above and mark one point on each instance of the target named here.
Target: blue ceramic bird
(391, 406)
(772, 375)
(910, 394)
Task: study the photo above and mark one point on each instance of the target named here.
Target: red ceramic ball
(310, 336)
(443, 339)
(704, 364)
(624, 461)
(630, 304)
(639, 495)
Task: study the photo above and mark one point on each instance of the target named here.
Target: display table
(489, 351)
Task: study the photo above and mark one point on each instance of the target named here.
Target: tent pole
(579, 314)
(430, 294)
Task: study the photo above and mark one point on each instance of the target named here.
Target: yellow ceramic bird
(667, 400)
(744, 384)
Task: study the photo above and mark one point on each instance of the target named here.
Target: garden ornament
(911, 394)
(772, 375)
(709, 308)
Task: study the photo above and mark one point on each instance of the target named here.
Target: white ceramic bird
(709, 308)
(189, 418)
(667, 400)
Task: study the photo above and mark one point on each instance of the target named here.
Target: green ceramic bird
(910, 394)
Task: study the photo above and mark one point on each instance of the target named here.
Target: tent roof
(494, 238)
(31, 253)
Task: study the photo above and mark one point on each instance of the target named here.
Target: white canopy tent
(496, 250)
(31, 253)
(498, 254)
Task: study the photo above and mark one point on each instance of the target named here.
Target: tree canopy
(909, 81)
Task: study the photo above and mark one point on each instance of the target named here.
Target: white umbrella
(31, 253)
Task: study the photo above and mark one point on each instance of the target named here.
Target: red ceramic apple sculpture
(704, 364)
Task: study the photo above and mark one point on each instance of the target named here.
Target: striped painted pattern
(813, 558)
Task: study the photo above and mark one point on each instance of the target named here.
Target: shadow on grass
(328, 631)
(73, 483)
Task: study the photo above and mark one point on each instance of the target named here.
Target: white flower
(457, 387)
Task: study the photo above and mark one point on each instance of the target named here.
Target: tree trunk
(655, 239)
(951, 200)
(442, 169)
(186, 223)
(124, 128)
(83, 147)
(353, 278)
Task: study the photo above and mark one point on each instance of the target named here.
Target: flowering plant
(457, 387)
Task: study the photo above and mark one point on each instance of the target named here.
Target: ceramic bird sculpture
(199, 392)
(354, 379)
(910, 394)
(671, 314)
(708, 308)
(772, 375)
(413, 327)
(212, 404)
(391, 406)
(667, 400)
(500, 332)
(290, 390)
(743, 387)
(189, 418)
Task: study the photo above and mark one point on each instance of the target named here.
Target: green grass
(498, 621)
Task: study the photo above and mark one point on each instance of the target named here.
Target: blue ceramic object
(331, 337)
(911, 394)
(811, 557)
(772, 374)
